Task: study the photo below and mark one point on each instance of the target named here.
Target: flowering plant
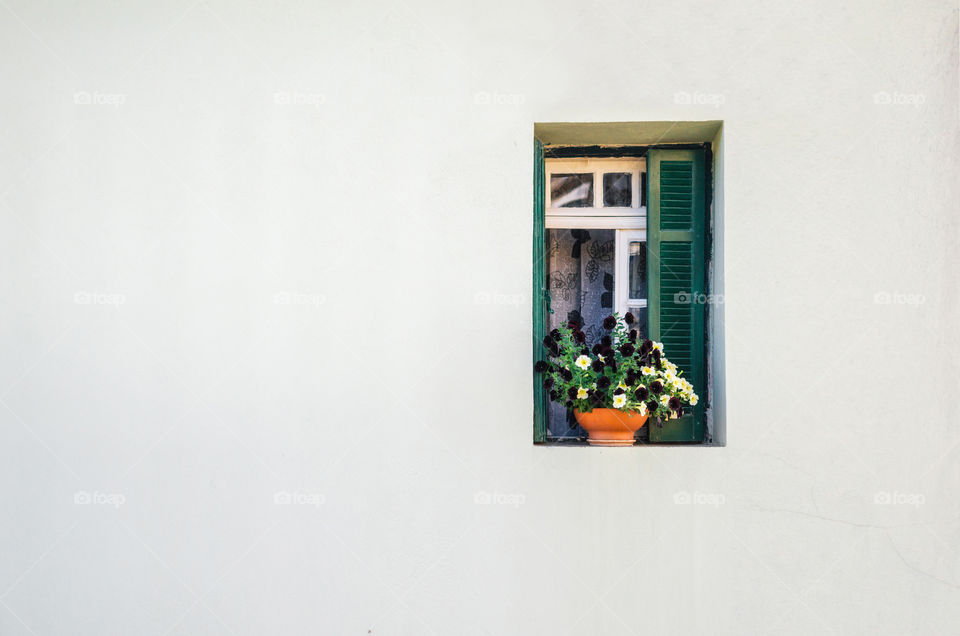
(620, 372)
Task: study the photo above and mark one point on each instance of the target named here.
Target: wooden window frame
(597, 216)
(625, 221)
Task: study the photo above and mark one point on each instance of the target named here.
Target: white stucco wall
(254, 249)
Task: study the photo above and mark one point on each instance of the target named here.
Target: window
(600, 246)
(596, 256)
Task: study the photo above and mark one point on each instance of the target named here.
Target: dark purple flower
(631, 378)
(618, 391)
(566, 374)
(609, 323)
(606, 341)
(641, 393)
(547, 382)
(656, 387)
(626, 350)
(646, 346)
(541, 366)
(597, 366)
(554, 396)
(674, 403)
(597, 348)
(628, 318)
(633, 335)
(572, 392)
(584, 352)
(603, 382)
(579, 336)
(548, 341)
(555, 334)
(652, 406)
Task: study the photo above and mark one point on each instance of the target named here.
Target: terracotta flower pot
(610, 427)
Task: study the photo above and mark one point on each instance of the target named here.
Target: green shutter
(676, 257)
(538, 297)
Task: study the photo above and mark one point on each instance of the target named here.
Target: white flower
(621, 385)
(619, 401)
(647, 370)
(658, 346)
(583, 362)
(693, 400)
(581, 393)
(643, 408)
(664, 399)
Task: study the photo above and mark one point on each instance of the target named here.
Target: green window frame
(677, 197)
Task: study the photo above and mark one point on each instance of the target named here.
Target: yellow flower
(581, 393)
(619, 401)
(583, 362)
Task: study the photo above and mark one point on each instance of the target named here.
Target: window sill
(577, 443)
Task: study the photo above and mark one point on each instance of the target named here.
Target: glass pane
(571, 190)
(580, 275)
(637, 283)
(617, 190)
(640, 313)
